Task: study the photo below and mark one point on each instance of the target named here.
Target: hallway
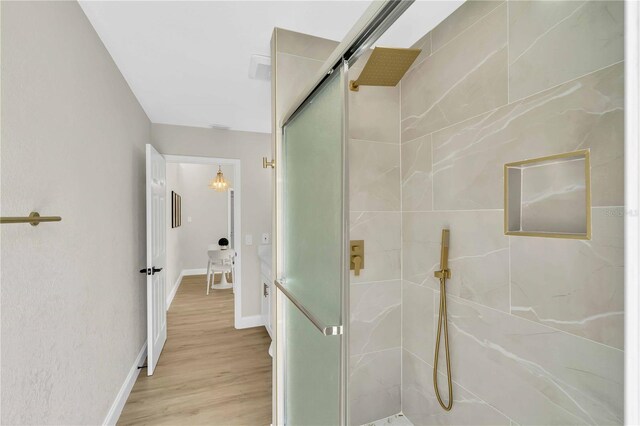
(209, 372)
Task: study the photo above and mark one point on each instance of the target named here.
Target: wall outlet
(266, 238)
(248, 239)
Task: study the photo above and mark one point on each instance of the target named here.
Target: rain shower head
(385, 67)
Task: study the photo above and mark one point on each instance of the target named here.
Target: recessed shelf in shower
(549, 196)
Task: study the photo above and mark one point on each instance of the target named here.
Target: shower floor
(395, 420)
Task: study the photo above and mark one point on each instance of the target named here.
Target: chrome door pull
(327, 330)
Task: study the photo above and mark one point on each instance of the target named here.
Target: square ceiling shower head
(385, 67)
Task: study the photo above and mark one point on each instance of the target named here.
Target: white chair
(221, 261)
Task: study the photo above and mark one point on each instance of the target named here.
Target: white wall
(249, 148)
(72, 300)
(174, 263)
(207, 210)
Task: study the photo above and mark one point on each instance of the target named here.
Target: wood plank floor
(209, 372)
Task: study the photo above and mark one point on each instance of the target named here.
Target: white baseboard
(123, 394)
(174, 290)
(248, 322)
(201, 271)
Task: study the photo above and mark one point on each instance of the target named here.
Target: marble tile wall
(375, 385)
(375, 217)
(297, 56)
(554, 42)
(536, 324)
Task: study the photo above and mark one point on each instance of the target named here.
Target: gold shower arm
(34, 219)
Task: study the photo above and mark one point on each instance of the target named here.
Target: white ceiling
(188, 62)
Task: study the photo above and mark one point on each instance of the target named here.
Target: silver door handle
(327, 330)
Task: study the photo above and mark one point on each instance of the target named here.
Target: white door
(156, 257)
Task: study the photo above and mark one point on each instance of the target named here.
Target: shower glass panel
(314, 267)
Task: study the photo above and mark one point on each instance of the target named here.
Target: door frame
(231, 224)
(632, 213)
(237, 216)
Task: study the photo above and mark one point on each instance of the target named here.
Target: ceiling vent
(260, 68)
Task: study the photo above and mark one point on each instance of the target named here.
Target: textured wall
(249, 148)
(536, 324)
(73, 136)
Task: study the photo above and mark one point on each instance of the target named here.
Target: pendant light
(219, 183)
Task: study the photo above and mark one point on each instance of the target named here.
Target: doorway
(206, 222)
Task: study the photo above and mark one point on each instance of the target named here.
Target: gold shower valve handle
(357, 265)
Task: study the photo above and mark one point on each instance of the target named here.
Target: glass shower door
(313, 271)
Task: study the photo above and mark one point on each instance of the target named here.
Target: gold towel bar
(34, 219)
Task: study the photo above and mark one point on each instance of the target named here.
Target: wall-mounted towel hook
(266, 163)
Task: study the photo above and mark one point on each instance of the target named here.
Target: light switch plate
(248, 239)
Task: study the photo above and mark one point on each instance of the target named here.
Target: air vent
(260, 68)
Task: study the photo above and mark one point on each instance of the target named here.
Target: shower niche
(549, 196)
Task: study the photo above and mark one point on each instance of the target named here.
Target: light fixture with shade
(219, 183)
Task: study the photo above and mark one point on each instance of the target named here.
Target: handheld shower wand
(443, 274)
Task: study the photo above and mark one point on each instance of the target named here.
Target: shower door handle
(325, 329)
